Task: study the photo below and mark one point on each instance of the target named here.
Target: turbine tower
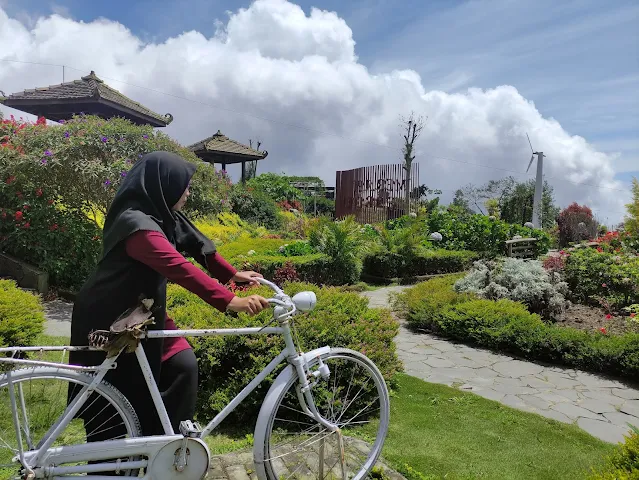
(539, 184)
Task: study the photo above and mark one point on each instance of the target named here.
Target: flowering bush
(41, 231)
(576, 223)
(59, 180)
(595, 275)
(81, 162)
(523, 281)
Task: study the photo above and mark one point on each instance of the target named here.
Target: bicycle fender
(259, 437)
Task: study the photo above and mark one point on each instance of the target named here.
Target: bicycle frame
(149, 446)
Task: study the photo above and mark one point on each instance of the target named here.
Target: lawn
(443, 433)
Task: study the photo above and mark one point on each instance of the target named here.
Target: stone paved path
(233, 466)
(603, 407)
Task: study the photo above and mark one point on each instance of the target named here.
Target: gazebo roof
(89, 95)
(221, 149)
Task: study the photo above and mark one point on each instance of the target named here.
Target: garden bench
(521, 248)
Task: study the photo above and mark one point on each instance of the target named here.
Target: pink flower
(604, 285)
(603, 330)
(608, 317)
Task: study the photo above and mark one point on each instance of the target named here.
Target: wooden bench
(521, 248)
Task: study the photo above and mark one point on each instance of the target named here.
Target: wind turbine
(539, 184)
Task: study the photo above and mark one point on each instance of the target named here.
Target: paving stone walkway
(603, 407)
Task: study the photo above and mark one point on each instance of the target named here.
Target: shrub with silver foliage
(524, 281)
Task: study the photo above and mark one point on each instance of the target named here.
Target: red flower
(604, 285)
(608, 317)
(603, 330)
(561, 252)
(25, 207)
(633, 315)
(19, 194)
(27, 225)
(53, 227)
(10, 180)
(19, 215)
(39, 192)
(50, 202)
(4, 214)
(599, 249)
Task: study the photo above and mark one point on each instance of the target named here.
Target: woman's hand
(247, 277)
(252, 304)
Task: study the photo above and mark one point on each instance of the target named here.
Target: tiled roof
(222, 144)
(90, 87)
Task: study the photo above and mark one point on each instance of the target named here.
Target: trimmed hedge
(391, 265)
(228, 363)
(623, 464)
(21, 316)
(507, 326)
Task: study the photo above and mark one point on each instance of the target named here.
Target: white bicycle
(311, 424)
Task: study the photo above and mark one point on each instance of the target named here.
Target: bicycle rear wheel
(41, 398)
(355, 398)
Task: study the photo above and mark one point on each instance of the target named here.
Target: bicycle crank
(181, 459)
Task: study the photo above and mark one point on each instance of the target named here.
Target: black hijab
(145, 200)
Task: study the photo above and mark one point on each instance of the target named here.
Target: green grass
(442, 433)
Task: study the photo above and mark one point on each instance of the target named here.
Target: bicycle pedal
(190, 429)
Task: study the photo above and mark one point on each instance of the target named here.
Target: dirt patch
(584, 317)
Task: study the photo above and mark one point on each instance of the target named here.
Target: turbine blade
(531, 149)
(532, 157)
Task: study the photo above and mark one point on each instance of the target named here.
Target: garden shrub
(576, 223)
(21, 316)
(623, 463)
(481, 234)
(57, 182)
(243, 245)
(507, 326)
(296, 225)
(40, 231)
(595, 275)
(228, 363)
(426, 262)
(255, 206)
(316, 268)
(524, 281)
(343, 243)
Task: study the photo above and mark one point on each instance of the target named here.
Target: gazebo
(222, 150)
(89, 95)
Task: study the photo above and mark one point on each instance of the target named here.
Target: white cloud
(272, 61)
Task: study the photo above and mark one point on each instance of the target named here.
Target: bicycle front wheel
(41, 398)
(354, 397)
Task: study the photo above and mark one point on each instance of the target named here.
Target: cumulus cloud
(293, 81)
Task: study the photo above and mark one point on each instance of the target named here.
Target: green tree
(632, 219)
(460, 202)
(516, 203)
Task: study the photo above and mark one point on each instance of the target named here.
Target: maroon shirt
(154, 250)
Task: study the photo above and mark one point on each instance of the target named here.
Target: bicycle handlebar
(271, 285)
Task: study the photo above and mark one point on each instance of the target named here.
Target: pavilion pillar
(224, 167)
(243, 172)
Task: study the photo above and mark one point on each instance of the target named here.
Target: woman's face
(182, 201)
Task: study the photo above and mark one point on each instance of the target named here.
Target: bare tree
(412, 128)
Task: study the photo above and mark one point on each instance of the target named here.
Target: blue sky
(578, 61)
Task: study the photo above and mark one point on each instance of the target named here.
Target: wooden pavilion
(89, 95)
(222, 150)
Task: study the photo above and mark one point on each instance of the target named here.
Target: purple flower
(48, 153)
(122, 139)
(43, 161)
(123, 174)
(128, 161)
(145, 137)
(105, 139)
(107, 182)
(140, 156)
(62, 122)
(66, 135)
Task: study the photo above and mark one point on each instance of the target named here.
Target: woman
(144, 232)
